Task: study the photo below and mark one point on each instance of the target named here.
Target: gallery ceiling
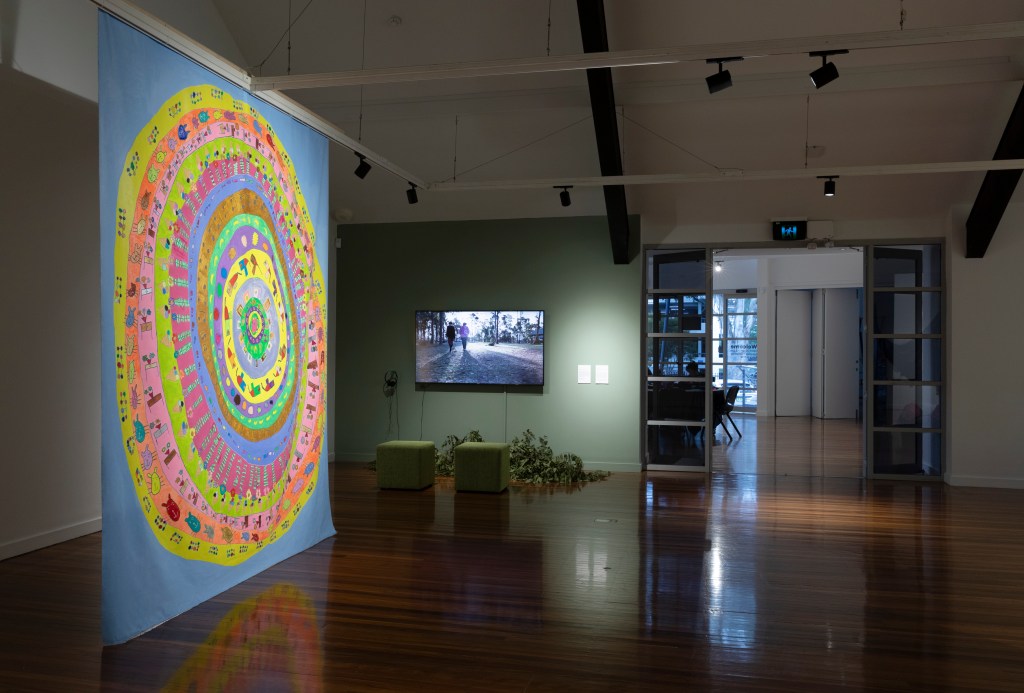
(941, 102)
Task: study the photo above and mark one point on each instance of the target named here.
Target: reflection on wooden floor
(643, 582)
(791, 446)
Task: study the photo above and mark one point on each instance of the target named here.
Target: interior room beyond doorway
(801, 376)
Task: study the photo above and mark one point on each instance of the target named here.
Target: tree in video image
(483, 347)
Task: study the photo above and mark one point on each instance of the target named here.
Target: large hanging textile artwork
(214, 383)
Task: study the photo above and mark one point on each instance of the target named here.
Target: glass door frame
(870, 382)
(870, 426)
(649, 378)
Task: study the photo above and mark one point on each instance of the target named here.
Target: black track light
(828, 71)
(721, 79)
(830, 185)
(824, 74)
(410, 194)
(363, 168)
(564, 195)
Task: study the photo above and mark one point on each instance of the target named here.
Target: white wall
(791, 339)
(835, 353)
(662, 229)
(814, 269)
(55, 40)
(986, 379)
(50, 281)
(817, 270)
(736, 274)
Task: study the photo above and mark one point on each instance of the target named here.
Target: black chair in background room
(730, 404)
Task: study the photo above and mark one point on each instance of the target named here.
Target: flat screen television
(480, 347)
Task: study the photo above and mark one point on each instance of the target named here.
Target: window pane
(743, 326)
(741, 350)
(744, 376)
(676, 270)
(716, 304)
(743, 305)
(746, 398)
(908, 266)
(907, 405)
(682, 446)
(908, 359)
(676, 401)
(675, 313)
(906, 452)
(667, 356)
(898, 312)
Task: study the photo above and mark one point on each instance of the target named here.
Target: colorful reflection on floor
(268, 642)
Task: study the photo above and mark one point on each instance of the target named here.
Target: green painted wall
(564, 266)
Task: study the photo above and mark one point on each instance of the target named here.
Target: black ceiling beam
(602, 104)
(998, 186)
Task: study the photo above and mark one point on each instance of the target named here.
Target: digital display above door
(789, 230)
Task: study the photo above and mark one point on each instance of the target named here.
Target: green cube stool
(481, 467)
(405, 464)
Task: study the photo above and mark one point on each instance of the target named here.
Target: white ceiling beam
(192, 49)
(854, 79)
(338, 106)
(651, 56)
(733, 175)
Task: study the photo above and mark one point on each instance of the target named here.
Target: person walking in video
(464, 335)
(450, 334)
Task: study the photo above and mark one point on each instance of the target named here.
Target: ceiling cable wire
(667, 140)
(289, 69)
(362, 66)
(807, 130)
(455, 149)
(259, 65)
(903, 15)
(549, 28)
(622, 138)
(362, 55)
(519, 149)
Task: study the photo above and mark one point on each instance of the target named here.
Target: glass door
(905, 423)
(676, 371)
(734, 345)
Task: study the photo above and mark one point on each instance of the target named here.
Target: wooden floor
(669, 582)
(791, 446)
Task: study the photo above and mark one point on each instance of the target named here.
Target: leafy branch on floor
(531, 460)
(444, 456)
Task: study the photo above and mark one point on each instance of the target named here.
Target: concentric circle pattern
(218, 329)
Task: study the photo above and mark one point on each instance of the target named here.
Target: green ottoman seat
(481, 467)
(405, 464)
